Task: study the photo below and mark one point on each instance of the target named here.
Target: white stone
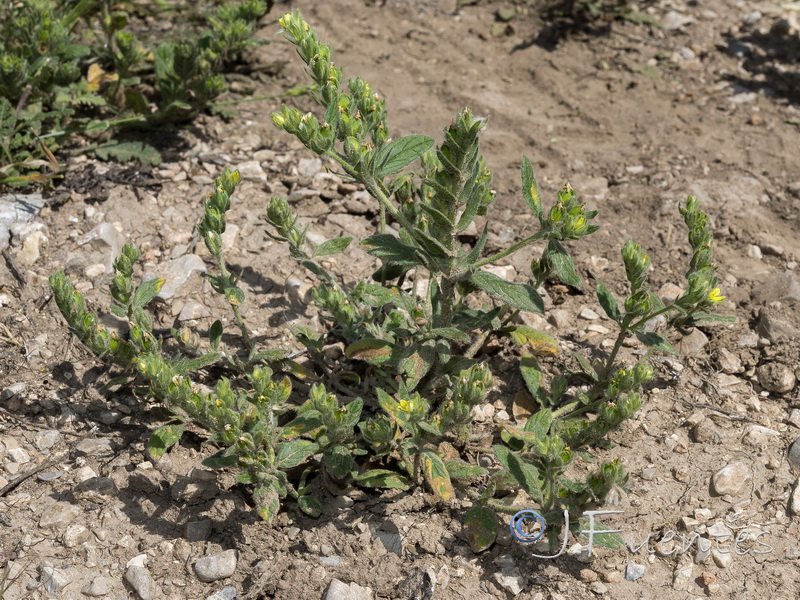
(732, 480)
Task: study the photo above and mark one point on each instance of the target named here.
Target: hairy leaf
(294, 453)
(163, 438)
(398, 154)
(516, 295)
(607, 301)
(480, 528)
(657, 341)
(541, 343)
(332, 246)
(436, 475)
(147, 291)
(382, 478)
(562, 264)
(526, 475)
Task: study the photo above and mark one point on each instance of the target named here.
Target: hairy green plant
(412, 370)
(583, 11)
(76, 67)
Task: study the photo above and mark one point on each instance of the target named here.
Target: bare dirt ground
(635, 117)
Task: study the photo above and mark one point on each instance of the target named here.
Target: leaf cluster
(77, 67)
(412, 369)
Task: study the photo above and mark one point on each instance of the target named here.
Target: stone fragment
(612, 576)
(192, 309)
(598, 588)
(634, 571)
(142, 583)
(559, 318)
(75, 535)
(673, 21)
(703, 550)
(511, 580)
(308, 167)
(45, 440)
(794, 454)
(217, 566)
(729, 362)
(177, 272)
(226, 593)
(52, 579)
(339, 590)
(723, 559)
(31, 249)
(776, 377)
(252, 170)
(773, 326)
(682, 576)
(59, 516)
(94, 447)
(692, 343)
(783, 287)
(99, 586)
(794, 498)
(98, 490)
(588, 314)
(732, 480)
(198, 531)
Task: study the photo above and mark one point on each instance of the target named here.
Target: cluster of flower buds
(637, 263)
(213, 223)
(702, 292)
(468, 391)
(568, 218)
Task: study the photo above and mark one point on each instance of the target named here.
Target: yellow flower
(407, 405)
(716, 296)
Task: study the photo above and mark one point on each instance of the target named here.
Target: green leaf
(480, 527)
(530, 189)
(339, 462)
(449, 333)
(603, 540)
(224, 458)
(193, 364)
(526, 475)
(332, 246)
(436, 475)
(517, 439)
(541, 343)
(607, 301)
(215, 334)
(475, 253)
(310, 506)
(516, 295)
(294, 453)
(539, 424)
(705, 317)
(303, 424)
(396, 155)
(585, 365)
(392, 408)
(375, 352)
(382, 478)
(561, 262)
(391, 250)
(459, 469)
(655, 340)
(531, 374)
(124, 151)
(147, 291)
(268, 502)
(234, 295)
(163, 438)
(353, 411)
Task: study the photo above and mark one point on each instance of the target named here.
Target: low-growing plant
(76, 67)
(413, 368)
(586, 11)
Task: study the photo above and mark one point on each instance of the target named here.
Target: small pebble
(140, 580)
(732, 480)
(215, 567)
